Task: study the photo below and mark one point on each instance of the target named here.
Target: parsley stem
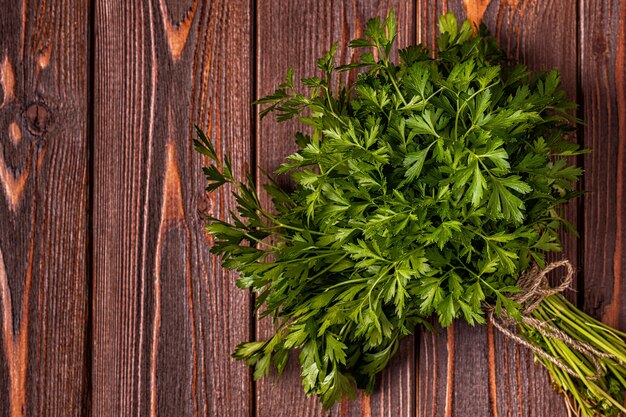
(329, 267)
(310, 258)
(393, 81)
(390, 73)
(280, 225)
(349, 282)
(381, 275)
(260, 241)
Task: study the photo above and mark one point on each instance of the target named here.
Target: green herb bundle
(425, 189)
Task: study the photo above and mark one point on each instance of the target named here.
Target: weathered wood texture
(103, 204)
(166, 317)
(44, 194)
(296, 34)
(603, 81)
(476, 371)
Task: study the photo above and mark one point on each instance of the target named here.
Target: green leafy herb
(424, 189)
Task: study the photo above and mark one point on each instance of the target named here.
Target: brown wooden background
(110, 302)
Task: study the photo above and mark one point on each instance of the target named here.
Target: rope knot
(534, 285)
(534, 288)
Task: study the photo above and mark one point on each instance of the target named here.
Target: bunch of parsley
(424, 189)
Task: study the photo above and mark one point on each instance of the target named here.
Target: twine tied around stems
(534, 289)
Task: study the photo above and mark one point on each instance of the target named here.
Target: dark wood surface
(44, 208)
(110, 302)
(165, 316)
(603, 85)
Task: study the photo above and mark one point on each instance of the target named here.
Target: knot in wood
(204, 204)
(37, 119)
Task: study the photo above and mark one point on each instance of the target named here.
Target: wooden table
(111, 302)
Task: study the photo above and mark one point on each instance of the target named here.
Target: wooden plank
(295, 34)
(603, 78)
(466, 370)
(476, 371)
(44, 197)
(166, 317)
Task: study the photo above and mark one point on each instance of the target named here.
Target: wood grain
(295, 34)
(603, 80)
(166, 316)
(44, 288)
(467, 370)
